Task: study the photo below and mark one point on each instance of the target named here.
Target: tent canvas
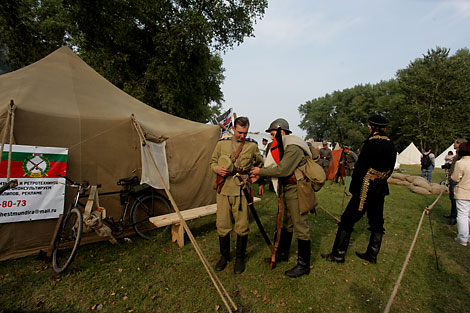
(411, 155)
(62, 102)
(440, 160)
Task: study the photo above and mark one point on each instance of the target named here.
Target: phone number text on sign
(9, 204)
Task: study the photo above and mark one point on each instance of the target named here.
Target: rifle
(277, 232)
(249, 200)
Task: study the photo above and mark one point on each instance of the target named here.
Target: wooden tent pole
(7, 127)
(215, 280)
(12, 124)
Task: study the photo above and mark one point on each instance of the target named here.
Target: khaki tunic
(231, 214)
(293, 158)
(351, 159)
(326, 157)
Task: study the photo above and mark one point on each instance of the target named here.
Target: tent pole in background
(210, 271)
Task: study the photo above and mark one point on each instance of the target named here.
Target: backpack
(314, 173)
(425, 161)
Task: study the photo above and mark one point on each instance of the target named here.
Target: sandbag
(399, 176)
(395, 181)
(404, 183)
(437, 188)
(422, 182)
(411, 178)
(420, 190)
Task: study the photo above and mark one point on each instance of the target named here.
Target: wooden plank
(172, 218)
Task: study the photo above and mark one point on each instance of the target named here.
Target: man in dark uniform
(294, 221)
(368, 188)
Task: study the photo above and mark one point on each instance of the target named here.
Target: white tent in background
(410, 155)
(440, 160)
(397, 163)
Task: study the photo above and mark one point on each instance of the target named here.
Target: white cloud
(299, 28)
(462, 6)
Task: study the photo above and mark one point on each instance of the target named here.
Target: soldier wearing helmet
(234, 155)
(294, 222)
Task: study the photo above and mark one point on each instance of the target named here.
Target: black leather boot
(340, 247)
(224, 244)
(282, 253)
(303, 260)
(240, 254)
(375, 241)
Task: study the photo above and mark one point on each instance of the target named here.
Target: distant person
(448, 158)
(453, 205)
(264, 150)
(427, 164)
(461, 175)
(368, 188)
(326, 156)
(350, 159)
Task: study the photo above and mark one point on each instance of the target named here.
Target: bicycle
(147, 203)
(70, 230)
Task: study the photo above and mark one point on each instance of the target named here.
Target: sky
(305, 49)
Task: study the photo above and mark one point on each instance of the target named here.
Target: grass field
(158, 276)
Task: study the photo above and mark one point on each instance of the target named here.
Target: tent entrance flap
(149, 176)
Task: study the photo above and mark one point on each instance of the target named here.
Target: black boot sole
(331, 258)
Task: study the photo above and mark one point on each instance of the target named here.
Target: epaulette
(379, 137)
(230, 138)
(251, 140)
(225, 138)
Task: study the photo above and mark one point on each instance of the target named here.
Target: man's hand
(261, 190)
(222, 171)
(254, 171)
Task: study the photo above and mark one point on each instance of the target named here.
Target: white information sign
(40, 192)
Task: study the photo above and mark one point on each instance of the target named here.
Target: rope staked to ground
(210, 271)
(405, 264)
(327, 212)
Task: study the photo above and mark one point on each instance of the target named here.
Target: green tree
(30, 29)
(342, 116)
(435, 90)
(163, 52)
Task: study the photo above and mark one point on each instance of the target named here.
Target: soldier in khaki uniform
(295, 151)
(326, 156)
(231, 160)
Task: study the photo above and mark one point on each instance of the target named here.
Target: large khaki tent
(62, 102)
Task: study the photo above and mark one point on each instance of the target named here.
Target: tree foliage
(163, 52)
(436, 93)
(427, 103)
(342, 116)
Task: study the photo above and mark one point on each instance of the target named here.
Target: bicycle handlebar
(84, 185)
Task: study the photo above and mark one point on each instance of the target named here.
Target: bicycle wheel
(67, 240)
(146, 207)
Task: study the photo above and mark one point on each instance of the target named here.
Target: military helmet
(280, 122)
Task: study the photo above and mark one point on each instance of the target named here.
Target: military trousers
(292, 219)
(374, 206)
(231, 214)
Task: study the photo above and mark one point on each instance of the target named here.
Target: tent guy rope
(405, 264)
(210, 271)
